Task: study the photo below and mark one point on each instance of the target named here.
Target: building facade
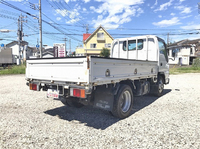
(95, 42)
(183, 52)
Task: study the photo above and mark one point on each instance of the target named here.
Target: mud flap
(103, 98)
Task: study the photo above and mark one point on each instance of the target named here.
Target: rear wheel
(123, 102)
(72, 102)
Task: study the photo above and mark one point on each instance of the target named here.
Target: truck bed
(89, 70)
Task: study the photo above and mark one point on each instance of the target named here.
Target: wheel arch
(161, 74)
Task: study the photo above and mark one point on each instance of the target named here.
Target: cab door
(163, 57)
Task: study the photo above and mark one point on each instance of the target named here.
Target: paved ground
(29, 120)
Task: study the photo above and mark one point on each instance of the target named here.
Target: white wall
(183, 55)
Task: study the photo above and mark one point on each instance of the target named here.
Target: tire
(160, 86)
(71, 102)
(123, 102)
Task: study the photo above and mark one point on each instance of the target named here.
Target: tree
(73, 53)
(105, 52)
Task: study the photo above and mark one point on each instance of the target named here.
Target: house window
(107, 45)
(191, 51)
(100, 35)
(93, 45)
(132, 45)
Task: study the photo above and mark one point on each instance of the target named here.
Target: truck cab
(144, 48)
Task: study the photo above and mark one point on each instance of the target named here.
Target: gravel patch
(30, 120)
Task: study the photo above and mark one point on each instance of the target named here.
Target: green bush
(105, 52)
(13, 70)
(196, 63)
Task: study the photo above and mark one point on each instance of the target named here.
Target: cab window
(132, 45)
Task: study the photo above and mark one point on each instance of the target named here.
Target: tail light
(34, 87)
(77, 92)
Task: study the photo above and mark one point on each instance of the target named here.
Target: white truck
(137, 66)
(6, 57)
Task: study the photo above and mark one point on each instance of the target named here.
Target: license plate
(52, 93)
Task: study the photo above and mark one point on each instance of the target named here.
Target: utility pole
(168, 39)
(40, 26)
(19, 37)
(65, 39)
(69, 46)
(87, 29)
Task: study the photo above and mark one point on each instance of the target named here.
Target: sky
(68, 20)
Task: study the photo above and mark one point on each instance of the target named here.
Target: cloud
(116, 12)
(84, 9)
(188, 16)
(16, 0)
(182, 1)
(58, 18)
(184, 10)
(164, 6)
(72, 15)
(160, 16)
(92, 8)
(139, 12)
(67, 1)
(62, 12)
(172, 14)
(86, 1)
(191, 26)
(155, 4)
(72, 21)
(166, 23)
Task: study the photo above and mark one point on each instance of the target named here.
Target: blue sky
(121, 18)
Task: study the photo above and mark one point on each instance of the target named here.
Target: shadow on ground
(97, 118)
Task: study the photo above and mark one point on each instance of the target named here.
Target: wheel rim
(125, 101)
(161, 86)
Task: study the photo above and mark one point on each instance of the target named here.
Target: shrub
(196, 63)
(105, 52)
(14, 70)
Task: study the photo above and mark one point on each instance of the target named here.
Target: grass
(184, 70)
(13, 70)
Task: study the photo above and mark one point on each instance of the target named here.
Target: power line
(5, 3)
(8, 17)
(62, 7)
(8, 25)
(8, 12)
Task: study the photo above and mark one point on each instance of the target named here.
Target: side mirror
(173, 59)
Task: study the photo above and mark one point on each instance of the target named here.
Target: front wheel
(160, 86)
(123, 102)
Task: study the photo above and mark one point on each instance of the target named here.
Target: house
(35, 53)
(21, 53)
(95, 42)
(183, 52)
(48, 52)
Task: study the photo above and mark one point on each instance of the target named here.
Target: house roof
(16, 42)
(48, 50)
(185, 42)
(96, 32)
(85, 36)
(47, 53)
